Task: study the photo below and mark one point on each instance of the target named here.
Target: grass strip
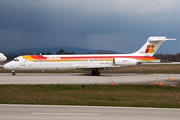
(92, 95)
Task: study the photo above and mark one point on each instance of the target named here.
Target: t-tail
(151, 46)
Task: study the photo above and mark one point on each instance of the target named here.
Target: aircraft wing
(96, 66)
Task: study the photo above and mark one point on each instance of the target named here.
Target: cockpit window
(16, 59)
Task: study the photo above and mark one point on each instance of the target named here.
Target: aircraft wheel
(97, 73)
(93, 72)
(13, 73)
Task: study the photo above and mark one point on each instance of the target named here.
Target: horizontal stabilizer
(153, 39)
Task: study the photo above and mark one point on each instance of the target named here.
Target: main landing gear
(95, 72)
(13, 73)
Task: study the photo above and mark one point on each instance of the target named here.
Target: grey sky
(119, 25)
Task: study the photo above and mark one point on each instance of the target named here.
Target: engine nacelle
(125, 61)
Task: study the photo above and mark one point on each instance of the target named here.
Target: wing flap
(96, 66)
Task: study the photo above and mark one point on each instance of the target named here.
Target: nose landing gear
(13, 73)
(95, 72)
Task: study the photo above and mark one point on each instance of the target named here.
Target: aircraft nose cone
(5, 58)
(7, 66)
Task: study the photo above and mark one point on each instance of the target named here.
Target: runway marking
(77, 114)
(99, 107)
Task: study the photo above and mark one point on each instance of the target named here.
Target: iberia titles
(53, 58)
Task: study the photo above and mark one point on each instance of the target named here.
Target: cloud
(116, 41)
(115, 6)
(120, 25)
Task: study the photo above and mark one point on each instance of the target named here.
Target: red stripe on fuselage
(38, 57)
(110, 57)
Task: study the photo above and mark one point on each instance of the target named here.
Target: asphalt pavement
(80, 78)
(58, 112)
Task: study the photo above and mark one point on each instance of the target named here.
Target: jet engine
(125, 61)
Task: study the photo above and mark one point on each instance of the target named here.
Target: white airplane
(93, 62)
(2, 57)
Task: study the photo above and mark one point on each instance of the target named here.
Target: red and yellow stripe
(96, 58)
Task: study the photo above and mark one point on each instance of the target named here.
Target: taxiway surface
(78, 78)
(56, 112)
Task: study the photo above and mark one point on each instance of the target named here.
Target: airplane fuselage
(66, 62)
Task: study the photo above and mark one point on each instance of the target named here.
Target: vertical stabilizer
(151, 46)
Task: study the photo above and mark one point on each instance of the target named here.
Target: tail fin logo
(150, 49)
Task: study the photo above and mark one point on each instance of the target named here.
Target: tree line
(168, 57)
